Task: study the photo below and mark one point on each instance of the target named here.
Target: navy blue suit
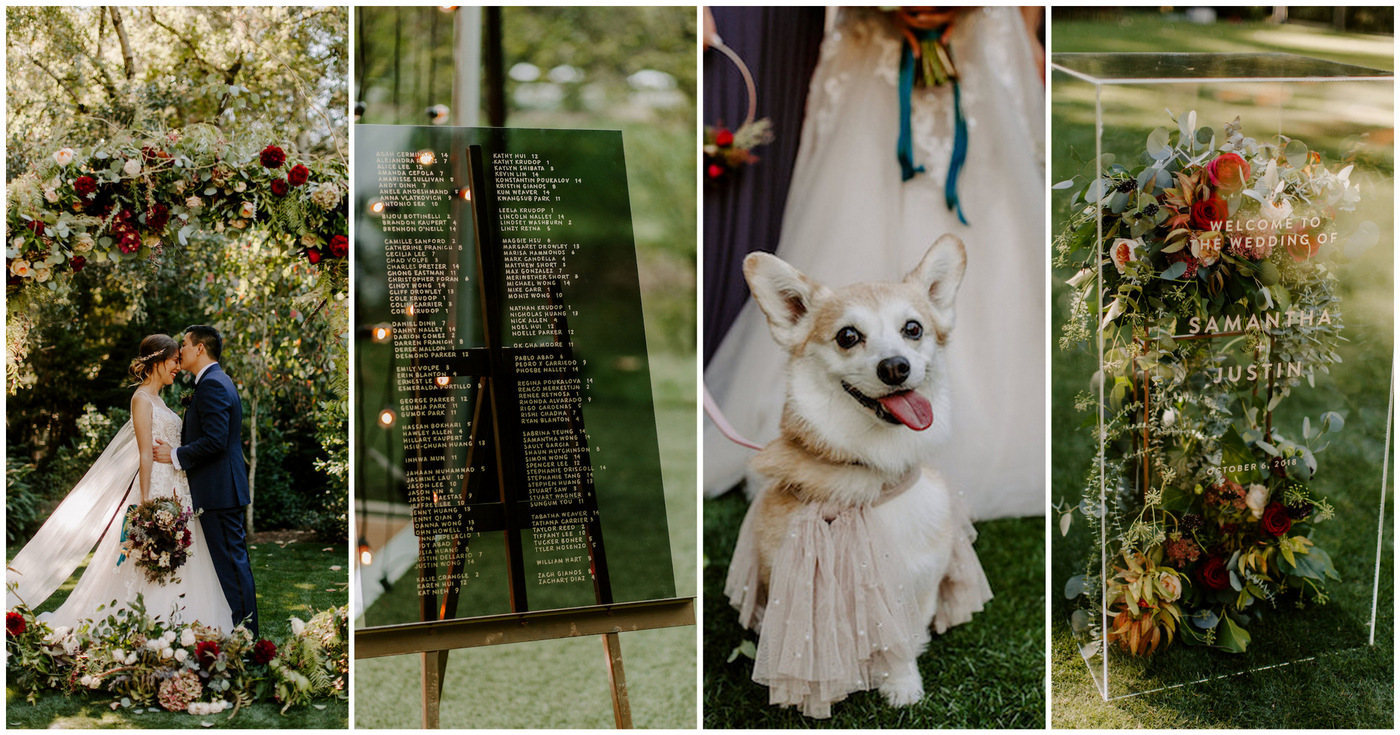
(211, 454)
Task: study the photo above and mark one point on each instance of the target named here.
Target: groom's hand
(161, 452)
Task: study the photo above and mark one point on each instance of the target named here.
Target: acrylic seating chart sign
(1226, 245)
(506, 444)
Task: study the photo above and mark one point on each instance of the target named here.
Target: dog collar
(896, 488)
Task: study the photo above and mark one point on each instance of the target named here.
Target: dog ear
(784, 295)
(941, 271)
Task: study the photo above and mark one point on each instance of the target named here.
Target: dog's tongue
(912, 409)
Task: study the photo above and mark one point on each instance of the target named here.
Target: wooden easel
(440, 630)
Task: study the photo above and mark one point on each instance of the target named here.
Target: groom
(211, 454)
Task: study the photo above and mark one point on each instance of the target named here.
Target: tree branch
(128, 58)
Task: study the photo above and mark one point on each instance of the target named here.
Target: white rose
(83, 243)
(240, 187)
(131, 658)
(42, 272)
(167, 653)
(310, 240)
(155, 644)
(239, 224)
(169, 636)
(86, 681)
(1124, 251)
(118, 655)
(187, 637)
(21, 269)
(64, 156)
(248, 209)
(298, 626)
(1171, 586)
(51, 196)
(1256, 499)
(181, 654)
(194, 203)
(132, 166)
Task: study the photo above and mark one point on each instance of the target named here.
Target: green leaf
(746, 649)
(1159, 143)
(1174, 272)
(1231, 637)
(1074, 587)
(1297, 153)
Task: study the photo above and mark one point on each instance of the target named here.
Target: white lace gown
(196, 597)
(850, 218)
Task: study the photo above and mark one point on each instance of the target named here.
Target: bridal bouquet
(156, 537)
(1208, 266)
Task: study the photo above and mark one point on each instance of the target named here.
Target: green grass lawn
(294, 579)
(563, 683)
(1349, 683)
(988, 673)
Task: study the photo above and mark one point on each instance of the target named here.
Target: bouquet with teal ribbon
(926, 61)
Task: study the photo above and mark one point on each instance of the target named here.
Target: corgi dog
(852, 550)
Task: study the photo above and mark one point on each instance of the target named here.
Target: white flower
(1276, 212)
(169, 636)
(1256, 499)
(1171, 586)
(131, 658)
(21, 269)
(83, 242)
(239, 224)
(181, 654)
(86, 681)
(164, 559)
(248, 209)
(218, 227)
(179, 187)
(1168, 418)
(42, 272)
(70, 645)
(326, 195)
(240, 187)
(167, 653)
(1115, 310)
(298, 625)
(309, 240)
(194, 203)
(1124, 251)
(187, 637)
(51, 196)
(132, 166)
(1081, 278)
(118, 655)
(1206, 246)
(64, 156)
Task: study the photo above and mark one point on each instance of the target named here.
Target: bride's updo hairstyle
(154, 350)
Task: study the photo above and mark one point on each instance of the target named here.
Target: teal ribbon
(126, 518)
(904, 150)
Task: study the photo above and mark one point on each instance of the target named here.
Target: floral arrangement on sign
(1208, 267)
(156, 538)
(130, 197)
(139, 660)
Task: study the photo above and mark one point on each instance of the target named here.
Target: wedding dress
(850, 218)
(93, 509)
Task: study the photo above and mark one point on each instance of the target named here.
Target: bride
(123, 476)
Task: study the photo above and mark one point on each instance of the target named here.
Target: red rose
(77, 262)
(1276, 521)
(1228, 172)
(339, 245)
(207, 652)
(1302, 243)
(14, 624)
(272, 157)
(84, 185)
(279, 187)
(313, 255)
(1207, 212)
(35, 226)
(130, 242)
(724, 137)
(1214, 574)
(157, 216)
(715, 171)
(298, 175)
(263, 652)
(187, 539)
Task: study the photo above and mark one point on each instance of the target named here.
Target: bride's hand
(161, 452)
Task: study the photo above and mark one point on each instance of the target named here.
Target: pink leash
(721, 423)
